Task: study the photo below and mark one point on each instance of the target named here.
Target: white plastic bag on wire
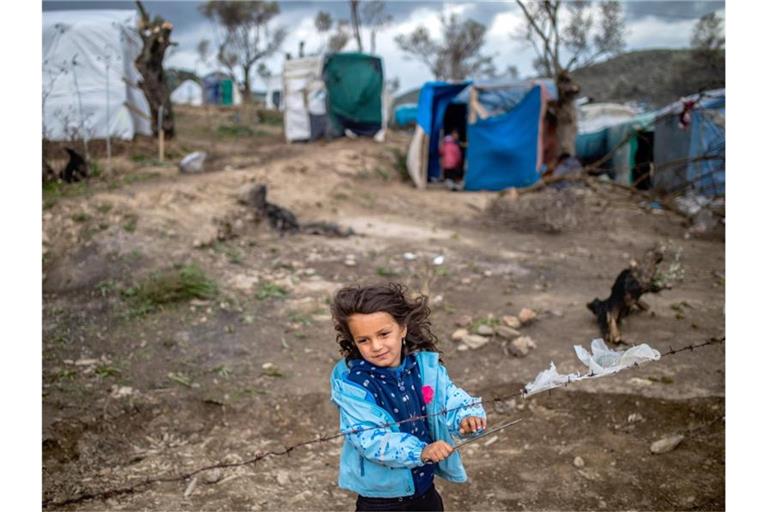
(601, 362)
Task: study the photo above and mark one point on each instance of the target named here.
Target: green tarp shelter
(355, 85)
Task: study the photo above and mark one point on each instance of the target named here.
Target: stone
(511, 321)
(462, 347)
(283, 477)
(459, 334)
(526, 316)
(524, 344)
(578, 462)
(474, 341)
(466, 280)
(213, 476)
(121, 391)
(666, 444)
(507, 333)
(190, 488)
(484, 330)
(463, 321)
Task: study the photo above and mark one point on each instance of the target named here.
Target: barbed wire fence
(137, 486)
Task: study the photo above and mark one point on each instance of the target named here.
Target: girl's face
(378, 337)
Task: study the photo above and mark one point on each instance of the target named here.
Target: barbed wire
(136, 486)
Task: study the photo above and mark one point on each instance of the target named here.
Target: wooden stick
(160, 135)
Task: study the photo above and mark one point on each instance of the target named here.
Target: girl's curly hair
(390, 298)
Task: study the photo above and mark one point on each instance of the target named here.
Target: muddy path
(129, 395)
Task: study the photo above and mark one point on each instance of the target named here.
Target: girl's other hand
(437, 451)
(472, 424)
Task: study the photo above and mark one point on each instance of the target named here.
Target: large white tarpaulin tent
(304, 93)
(89, 75)
(188, 92)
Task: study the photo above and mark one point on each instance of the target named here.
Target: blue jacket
(377, 462)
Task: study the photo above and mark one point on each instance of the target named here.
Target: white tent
(89, 75)
(304, 95)
(188, 92)
(274, 97)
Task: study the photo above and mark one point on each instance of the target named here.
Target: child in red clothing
(450, 157)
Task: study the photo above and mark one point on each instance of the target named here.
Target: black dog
(626, 291)
(280, 219)
(76, 169)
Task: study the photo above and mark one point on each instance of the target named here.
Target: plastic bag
(601, 362)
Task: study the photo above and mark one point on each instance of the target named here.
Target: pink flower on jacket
(428, 393)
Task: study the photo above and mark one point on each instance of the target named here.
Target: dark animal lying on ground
(626, 291)
(326, 229)
(280, 219)
(76, 169)
(284, 221)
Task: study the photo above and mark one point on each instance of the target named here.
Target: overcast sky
(650, 24)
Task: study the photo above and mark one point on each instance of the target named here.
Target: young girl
(391, 372)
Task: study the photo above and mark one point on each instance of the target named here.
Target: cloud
(645, 30)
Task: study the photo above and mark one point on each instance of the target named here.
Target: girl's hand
(472, 424)
(437, 451)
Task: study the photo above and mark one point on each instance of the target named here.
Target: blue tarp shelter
(691, 156)
(503, 130)
(405, 114)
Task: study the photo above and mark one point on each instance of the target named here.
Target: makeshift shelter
(615, 130)
(502, 124)
(273, 99)
(220, 89)
(188, 92)
(690, 145)
(304, 94)
(406, 114)
(89, 76)
(355, 87)
(333, 96)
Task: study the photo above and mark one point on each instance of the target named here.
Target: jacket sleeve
(381, 445)
(459, 404)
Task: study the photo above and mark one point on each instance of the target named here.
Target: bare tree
(248, 37)
(705, 67)
(354, 16)
(708, 33)
(375, 19)
(564, 39)
(457, 56)
(156, 37)
(338, 40)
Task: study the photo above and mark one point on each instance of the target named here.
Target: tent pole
(160, 135)
(109, 147)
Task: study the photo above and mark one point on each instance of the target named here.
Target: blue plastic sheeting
(434, 99)
(502, 150)
(592, 145)
(406, 114)
(432, 95)
(692, 157)
(500, 96)
(706, 168)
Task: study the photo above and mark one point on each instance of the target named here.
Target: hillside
(655, 77)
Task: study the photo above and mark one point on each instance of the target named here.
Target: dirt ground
(129, 395)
